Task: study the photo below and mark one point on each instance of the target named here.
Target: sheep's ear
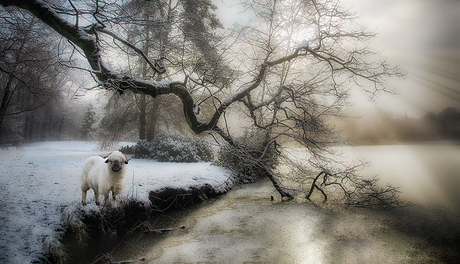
(104, 157)
(106, 161)
(126, 157)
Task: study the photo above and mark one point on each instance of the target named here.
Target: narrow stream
(246, 226)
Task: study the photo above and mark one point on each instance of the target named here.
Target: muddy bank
(171, 199)
(244, 225)
(104, 229)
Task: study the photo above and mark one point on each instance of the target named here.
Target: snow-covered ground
(37, 180)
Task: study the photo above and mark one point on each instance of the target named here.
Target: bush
(142, 149)
(127, 149)
(174, 148)
(244, 158)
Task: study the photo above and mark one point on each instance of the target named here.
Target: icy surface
(38, 179)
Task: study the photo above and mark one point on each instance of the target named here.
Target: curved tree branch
(154, 65)
(107, 77)
(83, 38)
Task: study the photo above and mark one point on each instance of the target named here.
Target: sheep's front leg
(114, 198)
(97, 198)
(106, 200)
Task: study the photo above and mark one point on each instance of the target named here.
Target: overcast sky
(422, 36)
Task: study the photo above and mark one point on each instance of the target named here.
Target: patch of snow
(38, 180)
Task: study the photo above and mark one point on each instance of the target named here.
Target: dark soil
(110, 227)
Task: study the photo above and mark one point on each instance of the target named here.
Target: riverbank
(98, 230)
(244, 225)
(40, 193)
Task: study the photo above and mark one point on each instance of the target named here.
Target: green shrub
(174, 148)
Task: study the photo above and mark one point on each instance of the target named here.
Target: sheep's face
(116, 161)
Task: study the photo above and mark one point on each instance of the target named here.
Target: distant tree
(166, 29)
(89, 119)
(119, 121)
(293, 69)
(450, 123)
(444, 125)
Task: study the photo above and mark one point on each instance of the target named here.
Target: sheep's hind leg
(83, 197)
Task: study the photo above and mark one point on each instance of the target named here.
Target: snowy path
(38, 179)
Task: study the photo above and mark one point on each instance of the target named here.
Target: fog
(426, 173)
(422, 37)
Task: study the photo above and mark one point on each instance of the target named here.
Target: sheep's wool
(98, 175)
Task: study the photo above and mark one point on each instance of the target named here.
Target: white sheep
(104, 174)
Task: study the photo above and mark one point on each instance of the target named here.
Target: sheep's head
(116, 160)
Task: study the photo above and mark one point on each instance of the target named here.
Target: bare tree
(165, 29)
(311, 55)
(294, 67)
(30, 80)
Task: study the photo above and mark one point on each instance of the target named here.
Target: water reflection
(244, 226)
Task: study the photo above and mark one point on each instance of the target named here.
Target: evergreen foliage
(88, 122)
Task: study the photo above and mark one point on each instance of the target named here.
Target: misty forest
(270, 93)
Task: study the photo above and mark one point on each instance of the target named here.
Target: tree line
(383, 127)
(30, 80)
